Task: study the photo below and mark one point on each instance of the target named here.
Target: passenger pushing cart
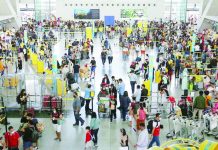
(104, 102)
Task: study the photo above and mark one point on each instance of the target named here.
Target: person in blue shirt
(88, 98)
(177, 67)
(121, 89)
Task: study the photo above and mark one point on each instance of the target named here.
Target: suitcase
(31, 111)
(200, 85)
(46, 101)
(185, 92)
(54, 102)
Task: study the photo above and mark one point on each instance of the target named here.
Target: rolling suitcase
(54, 102)
(31, 111)
(46, 101)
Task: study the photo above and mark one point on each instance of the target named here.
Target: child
(88, 140)
(59, 125)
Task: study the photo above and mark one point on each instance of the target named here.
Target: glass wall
(44, 9)
(182, 10)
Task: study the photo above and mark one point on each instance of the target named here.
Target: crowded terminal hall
(108, 75)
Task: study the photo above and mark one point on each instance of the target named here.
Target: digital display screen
(86, 14)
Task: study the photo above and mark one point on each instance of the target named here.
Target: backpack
(35, 134)
(142, 114)
(82, 100)
(18, 99)
(150, 126)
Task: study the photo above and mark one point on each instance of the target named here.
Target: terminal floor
(109, 135)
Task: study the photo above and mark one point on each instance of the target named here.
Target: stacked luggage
(50, 103)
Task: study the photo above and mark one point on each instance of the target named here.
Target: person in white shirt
(137, 93)
(142, 142)
(133, 79)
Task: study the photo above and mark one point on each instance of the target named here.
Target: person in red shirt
(156, 131)
(88, 140)
(12, 139)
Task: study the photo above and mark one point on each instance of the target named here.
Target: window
(133, 4)
(127, 4)
(91, 4)
(143, 4)
(76, 4)
(118, 5)
(107, 4)
(81, 4)
(112, 4)
(65, 4)
(71, 4)
(96, 4)
(138, 4)
(87, 4)
(102, 4)
(149, 4)
(154, 4)
(123, 5)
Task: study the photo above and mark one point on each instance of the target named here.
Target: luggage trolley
(103, 107)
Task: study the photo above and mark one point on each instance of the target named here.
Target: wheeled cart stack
(103, 107)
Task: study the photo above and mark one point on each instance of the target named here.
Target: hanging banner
(88, 32)
(109, 20)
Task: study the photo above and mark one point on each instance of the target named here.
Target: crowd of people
(181, 53)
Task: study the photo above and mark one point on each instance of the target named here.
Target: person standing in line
(110, 56)
(19, 64)
(141, 113)
(137, 93)
(93, 66)
(155, 131)
(121, 89)
(199, 105)
(146, 68)
(25, 52)
(12, 139)
(142, 142)
(133, 79)
(76, 68)
(124, 104)
(177, 67)
(88, 98)
(76, 109)
(22, 100)
(92, 46)
(103, 56)
(144, 93)
(94, 126)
